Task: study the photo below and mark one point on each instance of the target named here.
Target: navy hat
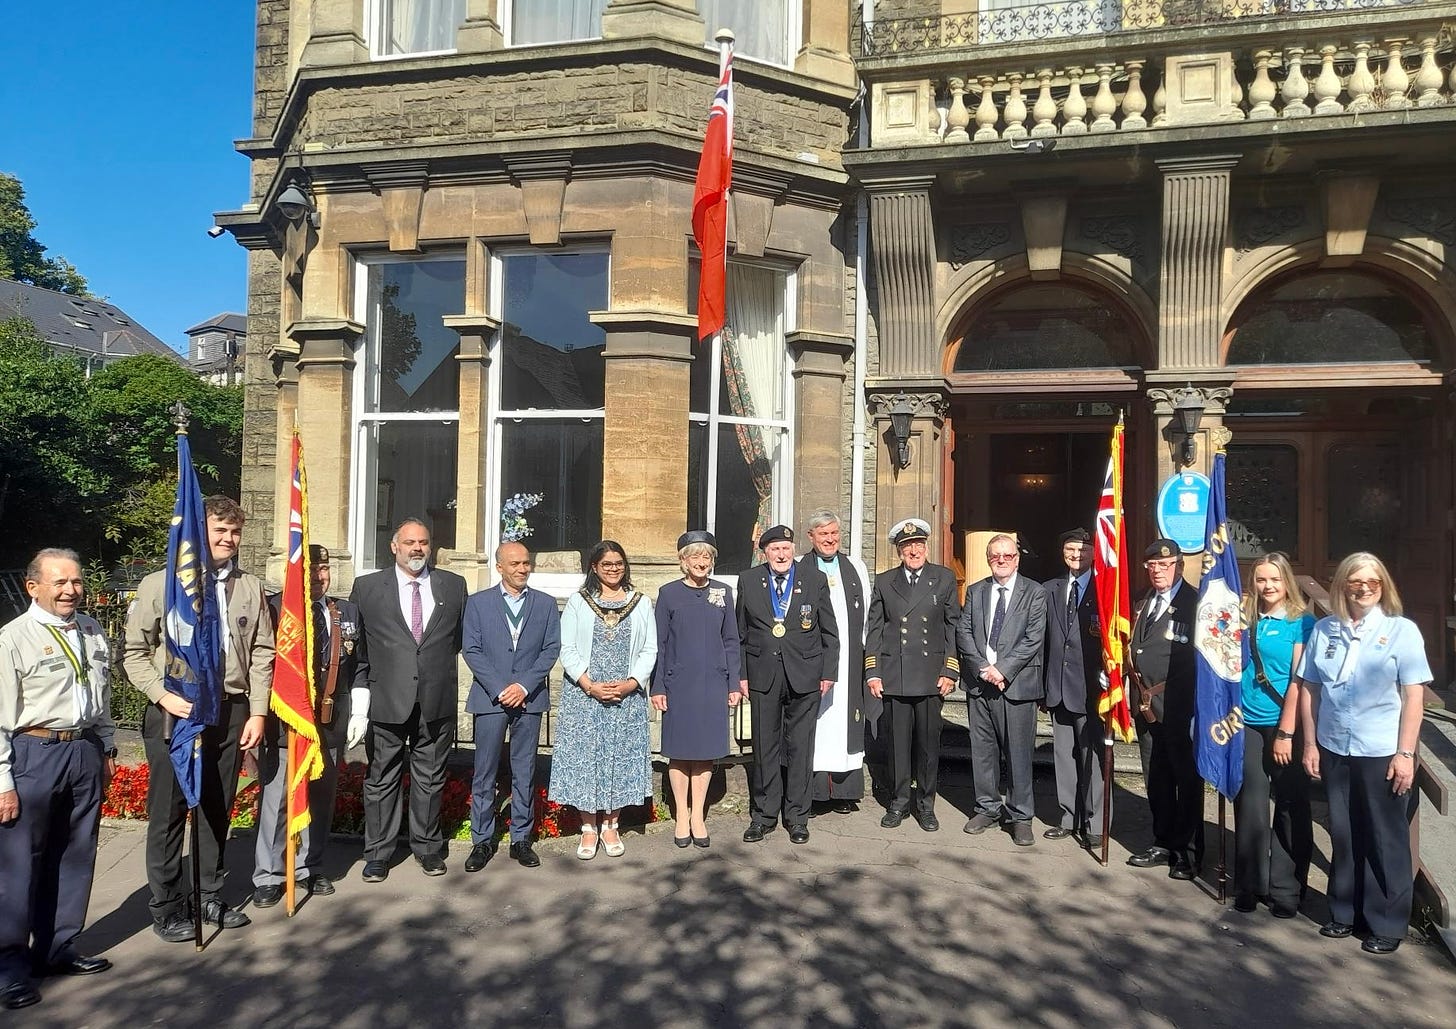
(1077, 535)
(1161, 548)
(318, 554)
(909, 530)
(692, 536)
(775, 534)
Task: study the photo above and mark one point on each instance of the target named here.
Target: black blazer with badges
(1162, 651)
(1018, 657)
(911, 640)
(808, 652)
(1073, 659)
(353, 656)
(403, 673)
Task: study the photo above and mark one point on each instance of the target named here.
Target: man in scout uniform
(790, 656)
(56, 760)
(911, 664)
(1165, 680)
(339, 665)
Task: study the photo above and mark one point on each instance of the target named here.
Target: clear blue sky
(119, 120)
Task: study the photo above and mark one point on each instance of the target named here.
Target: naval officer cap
(1077, 535)
(1161, 548)
(692, 536)
(775, 534)
(909, 530)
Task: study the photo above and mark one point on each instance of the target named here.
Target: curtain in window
(554, 21)
(760, 27)
(420, 26)
(752, 370)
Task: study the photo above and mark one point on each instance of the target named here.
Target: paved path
(861, 927)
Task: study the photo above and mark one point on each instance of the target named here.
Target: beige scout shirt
(248, 667)
(38, 684)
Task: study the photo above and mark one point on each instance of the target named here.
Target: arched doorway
(1338, 422)
(1039, 372)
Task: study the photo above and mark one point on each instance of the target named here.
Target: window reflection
(562, 461)
(414, 360)
(415, 478)
(1329, 317)
(551, 353)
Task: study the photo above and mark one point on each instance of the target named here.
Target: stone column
(825, 50)
(480, 31)
(902, 243)
(326, 424)
(1195, 238)
(821, 364)
(336, 34)
(669, 19)
(649, 358)
(472, 529)
(914, 488)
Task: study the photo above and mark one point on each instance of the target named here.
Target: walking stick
(1222, 856)
(290, 848)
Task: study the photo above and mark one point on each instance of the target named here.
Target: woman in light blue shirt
(1363, 675)
(1271, 860)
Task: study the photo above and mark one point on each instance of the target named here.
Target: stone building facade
(1035, 216)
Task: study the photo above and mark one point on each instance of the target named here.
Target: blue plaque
(1183, 510)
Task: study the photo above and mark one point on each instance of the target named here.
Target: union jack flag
(1114, 605)
(710, 202)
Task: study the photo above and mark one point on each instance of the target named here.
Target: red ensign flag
(710, 201)
(1114, 606)
(293, 688)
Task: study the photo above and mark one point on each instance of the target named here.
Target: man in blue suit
(512, 638)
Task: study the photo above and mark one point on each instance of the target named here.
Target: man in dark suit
(339, 666)
(1165, 680)
(409, 619)
(1000, 635)
(911, 664)
(846, 710)
(1073, 686)
(512, 638)
(790, 658)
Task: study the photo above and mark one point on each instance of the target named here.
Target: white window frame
(794, 39)
(508, 28)
(375, 11)
(558, 584)
(783, 481)
(363, 463)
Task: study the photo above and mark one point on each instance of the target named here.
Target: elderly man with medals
(846, 710)
(790, 656)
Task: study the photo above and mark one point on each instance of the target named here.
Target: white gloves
(358, 717)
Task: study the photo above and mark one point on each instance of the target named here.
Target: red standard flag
(1114, 606)
(293, 687)
(710, 201)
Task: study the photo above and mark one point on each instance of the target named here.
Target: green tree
(22, 256)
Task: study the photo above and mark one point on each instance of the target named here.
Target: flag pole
(290, 846)
(1106, 784)
(1222, 852)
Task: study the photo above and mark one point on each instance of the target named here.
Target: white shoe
(584, 850)
(613, 849)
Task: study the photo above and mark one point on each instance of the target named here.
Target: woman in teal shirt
(1271, 860)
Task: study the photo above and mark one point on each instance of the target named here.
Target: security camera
(1032, 146)
(216, 231)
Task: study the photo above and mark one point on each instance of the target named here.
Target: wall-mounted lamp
(1187, 413)
(294, 204)
(1032, 146)
(900, 415)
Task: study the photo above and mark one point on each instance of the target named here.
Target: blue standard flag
(190, 624)
(1220, 638)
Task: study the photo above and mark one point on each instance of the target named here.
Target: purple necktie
(417, 614)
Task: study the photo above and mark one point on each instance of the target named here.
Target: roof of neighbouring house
(227, 321)
(79, 324)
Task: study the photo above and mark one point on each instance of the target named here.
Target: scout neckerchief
(78, 665)
(514, 619)
(781, 599)
(611, 617)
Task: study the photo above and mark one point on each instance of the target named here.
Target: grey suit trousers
(1002, 729)
(269, 862)
(1077, 753)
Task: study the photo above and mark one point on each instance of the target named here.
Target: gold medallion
(778, 629)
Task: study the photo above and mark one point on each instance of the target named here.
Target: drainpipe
(861, 328)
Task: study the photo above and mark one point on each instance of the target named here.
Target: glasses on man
(1363, 585)
(1002, 558)
(1163, 566)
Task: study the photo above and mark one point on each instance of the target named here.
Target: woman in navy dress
(695, 681)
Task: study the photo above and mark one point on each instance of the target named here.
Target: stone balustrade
(1258, 81)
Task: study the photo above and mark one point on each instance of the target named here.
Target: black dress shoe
(892, 819)
(1337, 930)
(1021, 834)
(979, 823)
(928, 821)
(1150, 858)
(1056, 832)
(524, 855)
(376, 871)
(1092, 841)
(798, 834)
(480, 856)
(756, 831)
(267, 896)
(1380, 944)
(175, 929)
(319, 886)
(1281, 910)
(1182, 869)
(78, 964)
(215, 912)
(845, 807)
(431, 864)
(19, 995)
